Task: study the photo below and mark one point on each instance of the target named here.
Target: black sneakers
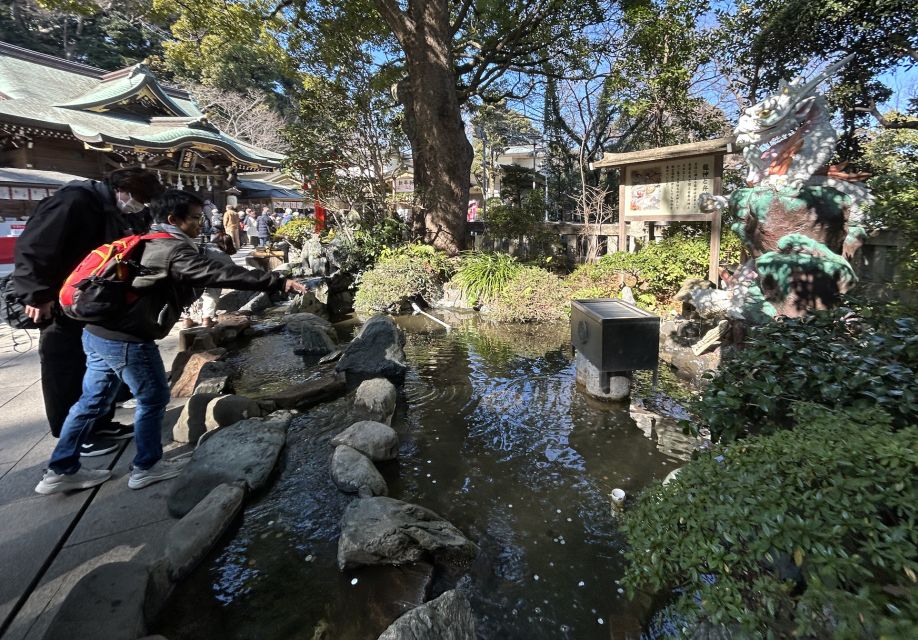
(97, 447)
(114, 431)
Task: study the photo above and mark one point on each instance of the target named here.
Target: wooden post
(622, 229)
(714, 259)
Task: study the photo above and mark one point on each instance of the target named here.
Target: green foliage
(414, 273)
(892, 156)
(297, 231)
(231, 45)
(805, 533)
(531, 295)
(828, 357)
(360, 252)
(113, 37)
(658, 270)
(482, 276)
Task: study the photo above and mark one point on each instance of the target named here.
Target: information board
(667, 190)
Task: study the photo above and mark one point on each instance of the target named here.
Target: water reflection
(497, 439)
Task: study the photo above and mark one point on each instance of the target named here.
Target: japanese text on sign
(668, 188)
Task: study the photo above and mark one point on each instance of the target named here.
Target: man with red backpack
(65, 227)
(121, 349)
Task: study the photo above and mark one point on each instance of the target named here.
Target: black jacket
(178, 273)
(63, 229)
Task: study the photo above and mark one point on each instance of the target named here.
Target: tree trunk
(441, 152)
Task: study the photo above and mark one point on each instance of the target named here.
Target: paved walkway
(47, 543)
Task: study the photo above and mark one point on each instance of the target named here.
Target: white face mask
(128, 206)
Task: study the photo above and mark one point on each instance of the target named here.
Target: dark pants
(109, 364)
(63, 364)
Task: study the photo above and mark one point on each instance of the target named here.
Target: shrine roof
(128, 107)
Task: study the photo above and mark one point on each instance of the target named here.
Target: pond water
(496, 438)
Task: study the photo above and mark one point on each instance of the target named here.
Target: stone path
(47, 543)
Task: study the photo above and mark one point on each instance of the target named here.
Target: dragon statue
(799, 218)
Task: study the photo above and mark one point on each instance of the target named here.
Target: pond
(497, 439)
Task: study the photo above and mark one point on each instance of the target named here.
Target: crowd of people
(246, 226)
(87, 368)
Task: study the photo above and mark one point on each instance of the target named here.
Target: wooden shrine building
(64, 117)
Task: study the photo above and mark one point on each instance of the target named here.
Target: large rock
(108, 602)
(259, 303)
(223, 411)
(375, 399)
(230, 327)
(192, 537)
(353, 472)
(306, 394)
(378, 350)
(235, 300)
(317, 335)
(190, 425)
(245, 452)
(377, 441)
(307, 303)
(183, 386)
(383, 530)
(448, 617)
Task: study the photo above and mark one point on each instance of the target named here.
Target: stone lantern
(232, 196)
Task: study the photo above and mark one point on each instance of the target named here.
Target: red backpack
(99, 288)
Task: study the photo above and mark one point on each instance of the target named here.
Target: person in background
(265, 226)
(207, 229)
(64, 228)
(220, 251)
(231, 223)
(252, 227)
(288, 216)
(122, 350)
(244, 228)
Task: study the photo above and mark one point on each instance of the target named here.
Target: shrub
(360, 252)
(828, 357)
(297, 231)
(532, 295)
(804, 533)
(482, 276)
(656, 270)
(401, 277)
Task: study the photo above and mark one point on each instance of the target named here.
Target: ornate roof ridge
(62, 64)
(50, 61)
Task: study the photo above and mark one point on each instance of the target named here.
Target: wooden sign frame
(624, 215)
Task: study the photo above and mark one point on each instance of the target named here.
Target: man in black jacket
(63, 229)
(122, 350)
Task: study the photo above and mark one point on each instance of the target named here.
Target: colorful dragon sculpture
(799, 218)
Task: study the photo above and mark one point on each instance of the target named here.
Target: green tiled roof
(45, 92)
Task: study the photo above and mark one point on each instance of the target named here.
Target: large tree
(446, 53)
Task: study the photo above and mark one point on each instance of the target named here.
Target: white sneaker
(83, 479)
(162, 470)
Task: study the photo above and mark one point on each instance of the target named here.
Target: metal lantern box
(615, 335)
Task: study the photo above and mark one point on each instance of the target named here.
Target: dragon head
(794, 108)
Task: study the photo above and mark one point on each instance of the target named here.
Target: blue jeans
(108, 364)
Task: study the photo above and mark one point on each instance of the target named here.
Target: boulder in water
(353, 472)
(375, 399)
(377, 441)
(377, 351)
(381, 530)
(245, 453)
(448, 617)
